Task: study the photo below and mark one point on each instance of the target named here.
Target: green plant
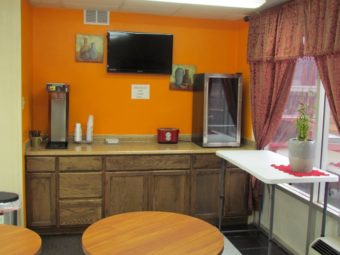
(302, 123)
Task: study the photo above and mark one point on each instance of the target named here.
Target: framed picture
(182, 77)
(89, 48)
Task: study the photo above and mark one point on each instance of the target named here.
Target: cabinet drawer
(80, 163)
(80, 212)
(153, 162)
(40, 164)
(206, 161)
(80, 185)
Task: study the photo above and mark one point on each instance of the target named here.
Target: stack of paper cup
(89, 130)
(77, 133)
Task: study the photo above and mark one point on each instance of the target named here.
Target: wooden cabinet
(147, 162)
(41, 191)
(205, 187)
(134, 187)
(169, 191)
(80, 190)
(236, 195)
(126, 192)
(79, 211)
(80, 185)
(205, 181)
(88, 163)
(69, 192)
(204, 194)
(40, 164)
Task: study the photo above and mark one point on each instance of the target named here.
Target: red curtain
(322, 19)
(270, 86)
(322, 27)
(274, 44)
(329, 70)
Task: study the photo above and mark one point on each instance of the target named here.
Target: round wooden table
(139, 233)
(18, 240)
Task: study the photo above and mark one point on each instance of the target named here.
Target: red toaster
(167, 135)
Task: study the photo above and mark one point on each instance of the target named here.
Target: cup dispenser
(58, 106)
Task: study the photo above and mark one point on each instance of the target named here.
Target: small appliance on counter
(58, 106)
(167, 135)
(216, 117)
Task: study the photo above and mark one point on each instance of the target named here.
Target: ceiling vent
(96, 17)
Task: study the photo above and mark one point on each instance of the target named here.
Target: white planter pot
(301, 155)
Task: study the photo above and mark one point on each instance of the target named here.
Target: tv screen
(134, 52)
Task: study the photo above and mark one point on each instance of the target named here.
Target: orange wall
(213, 46)
(247, 130)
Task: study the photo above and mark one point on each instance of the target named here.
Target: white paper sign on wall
(140, 91)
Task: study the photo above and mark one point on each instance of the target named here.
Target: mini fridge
(217, 105)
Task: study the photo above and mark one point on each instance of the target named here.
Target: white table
(258, 164)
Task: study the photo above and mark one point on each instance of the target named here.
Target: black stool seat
(6, 197)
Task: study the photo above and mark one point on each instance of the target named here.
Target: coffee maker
(58, 105)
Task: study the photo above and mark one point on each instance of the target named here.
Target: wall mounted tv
(134, 52)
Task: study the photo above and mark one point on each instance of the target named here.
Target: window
(307, 88)
(333, 161)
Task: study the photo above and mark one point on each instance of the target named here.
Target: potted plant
(302, 149)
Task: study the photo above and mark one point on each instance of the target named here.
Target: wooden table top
(152, 233)
(18, 240)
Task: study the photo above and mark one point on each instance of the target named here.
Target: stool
(9, 205)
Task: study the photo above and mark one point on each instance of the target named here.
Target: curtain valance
(298, 28)
(276, 34)
(322, 19)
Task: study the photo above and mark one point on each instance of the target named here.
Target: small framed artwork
(182, 77)
(89, 48)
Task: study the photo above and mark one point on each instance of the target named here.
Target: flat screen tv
(134, 52)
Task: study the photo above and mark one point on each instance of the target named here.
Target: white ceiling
(158, 8)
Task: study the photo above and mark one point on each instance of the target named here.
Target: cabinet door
(169, 191)
(125, 192)
(41, 199)
(204, 194)
(236, 193)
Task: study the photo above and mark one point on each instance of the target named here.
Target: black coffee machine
(58, 106)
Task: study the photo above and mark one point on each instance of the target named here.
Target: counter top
(128, 148)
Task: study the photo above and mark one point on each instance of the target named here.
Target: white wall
(11, 170)
(290, 221)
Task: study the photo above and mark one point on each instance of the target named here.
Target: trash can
(9, 206)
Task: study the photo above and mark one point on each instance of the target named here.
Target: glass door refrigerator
(217, 101)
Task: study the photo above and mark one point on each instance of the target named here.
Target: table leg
(324, 212)
(309, 222)
(260, 205)
(271, 218)
(221, 195)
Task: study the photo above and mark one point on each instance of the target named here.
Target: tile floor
(252, 243)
